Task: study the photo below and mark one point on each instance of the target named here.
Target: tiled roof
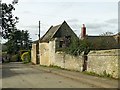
(50, 33)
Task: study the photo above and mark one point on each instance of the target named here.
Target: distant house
(101, 42)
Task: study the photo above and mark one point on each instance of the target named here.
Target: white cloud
(71, 1)
(98, 17)
(112, 21)
(72, 20)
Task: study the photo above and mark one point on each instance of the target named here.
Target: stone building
(56, 38)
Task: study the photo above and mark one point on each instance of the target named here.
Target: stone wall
(47, 53)
(33, 54)
(68, 62)
(103, 62)
(52, 52)
(44, 54)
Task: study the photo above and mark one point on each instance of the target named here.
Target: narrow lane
(17, 75)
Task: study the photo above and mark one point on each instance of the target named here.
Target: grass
(51, 66)
(85, 72)
(43, 65)
(57, 67)
(100, 75)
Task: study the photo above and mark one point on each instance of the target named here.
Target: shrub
(22, 51)
(26, 57)
(76, 47)
(14, 58)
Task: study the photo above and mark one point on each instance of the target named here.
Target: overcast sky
(99, 16)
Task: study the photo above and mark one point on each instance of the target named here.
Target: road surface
(18, 75)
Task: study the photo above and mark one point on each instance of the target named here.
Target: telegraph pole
(39, 31)
(38, 47)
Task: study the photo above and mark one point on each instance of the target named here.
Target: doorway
(85, 58)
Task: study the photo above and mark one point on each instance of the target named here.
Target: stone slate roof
(109, 41)
(93, 38)
(50, 33)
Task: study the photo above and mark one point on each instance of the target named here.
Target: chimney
(83, 31)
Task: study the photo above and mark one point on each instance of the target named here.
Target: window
(61, 44)
(67, 40)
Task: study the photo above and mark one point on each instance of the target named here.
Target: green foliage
(77, 46)
(104, 74)
(23, 51)
(73, 47)
(8, 20)
(14, 58)
(43, 65)
(19, 41)
(91, 73)
(57, 67)
(4, 54)
(26, 58)
(4, 48)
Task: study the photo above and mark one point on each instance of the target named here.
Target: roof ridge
(56, 30)
(47, 32)
(51, 32)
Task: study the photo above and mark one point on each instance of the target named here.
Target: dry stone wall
(103, 62)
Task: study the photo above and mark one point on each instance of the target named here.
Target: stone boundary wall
(33, 54)
(68, 62)
(102, 62)
(44, 54)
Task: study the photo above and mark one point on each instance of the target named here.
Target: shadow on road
(15, 69)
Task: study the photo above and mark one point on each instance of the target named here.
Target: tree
(8, 20)
(26, 40)
(106, 34)
(19, 41)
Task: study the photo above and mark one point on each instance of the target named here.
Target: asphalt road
(18, 75)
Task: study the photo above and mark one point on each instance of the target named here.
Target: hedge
(26, 57)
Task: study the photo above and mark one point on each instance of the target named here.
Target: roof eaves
(46, 32)
(56, 30)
